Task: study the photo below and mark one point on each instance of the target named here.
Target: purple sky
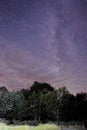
(45, 41)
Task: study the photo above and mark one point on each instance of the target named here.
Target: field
(26, 127)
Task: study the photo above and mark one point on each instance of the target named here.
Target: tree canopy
(42, 103)
(41, 87)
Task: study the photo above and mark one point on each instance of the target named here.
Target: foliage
(12, 105)
(42, 104)
(41, 87)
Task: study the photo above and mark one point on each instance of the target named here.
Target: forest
(42, 103)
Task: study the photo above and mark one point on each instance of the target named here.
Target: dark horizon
(44, 41)
(3, 88)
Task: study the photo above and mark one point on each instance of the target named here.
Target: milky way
(45, 41)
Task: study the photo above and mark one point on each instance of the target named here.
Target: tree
(41, 87)
(64, 106)
(48, 106)
(81, 107)
(33, 102)
(67, 107)
(25, 93)
(38, 92)
(3, 90)
(43, 106)
(61, 91)
(12, 105)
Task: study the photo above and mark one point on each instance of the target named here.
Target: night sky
(44, 41)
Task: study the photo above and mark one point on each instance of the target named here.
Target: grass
(26, 127)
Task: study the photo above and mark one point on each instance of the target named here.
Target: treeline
(42, 103)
